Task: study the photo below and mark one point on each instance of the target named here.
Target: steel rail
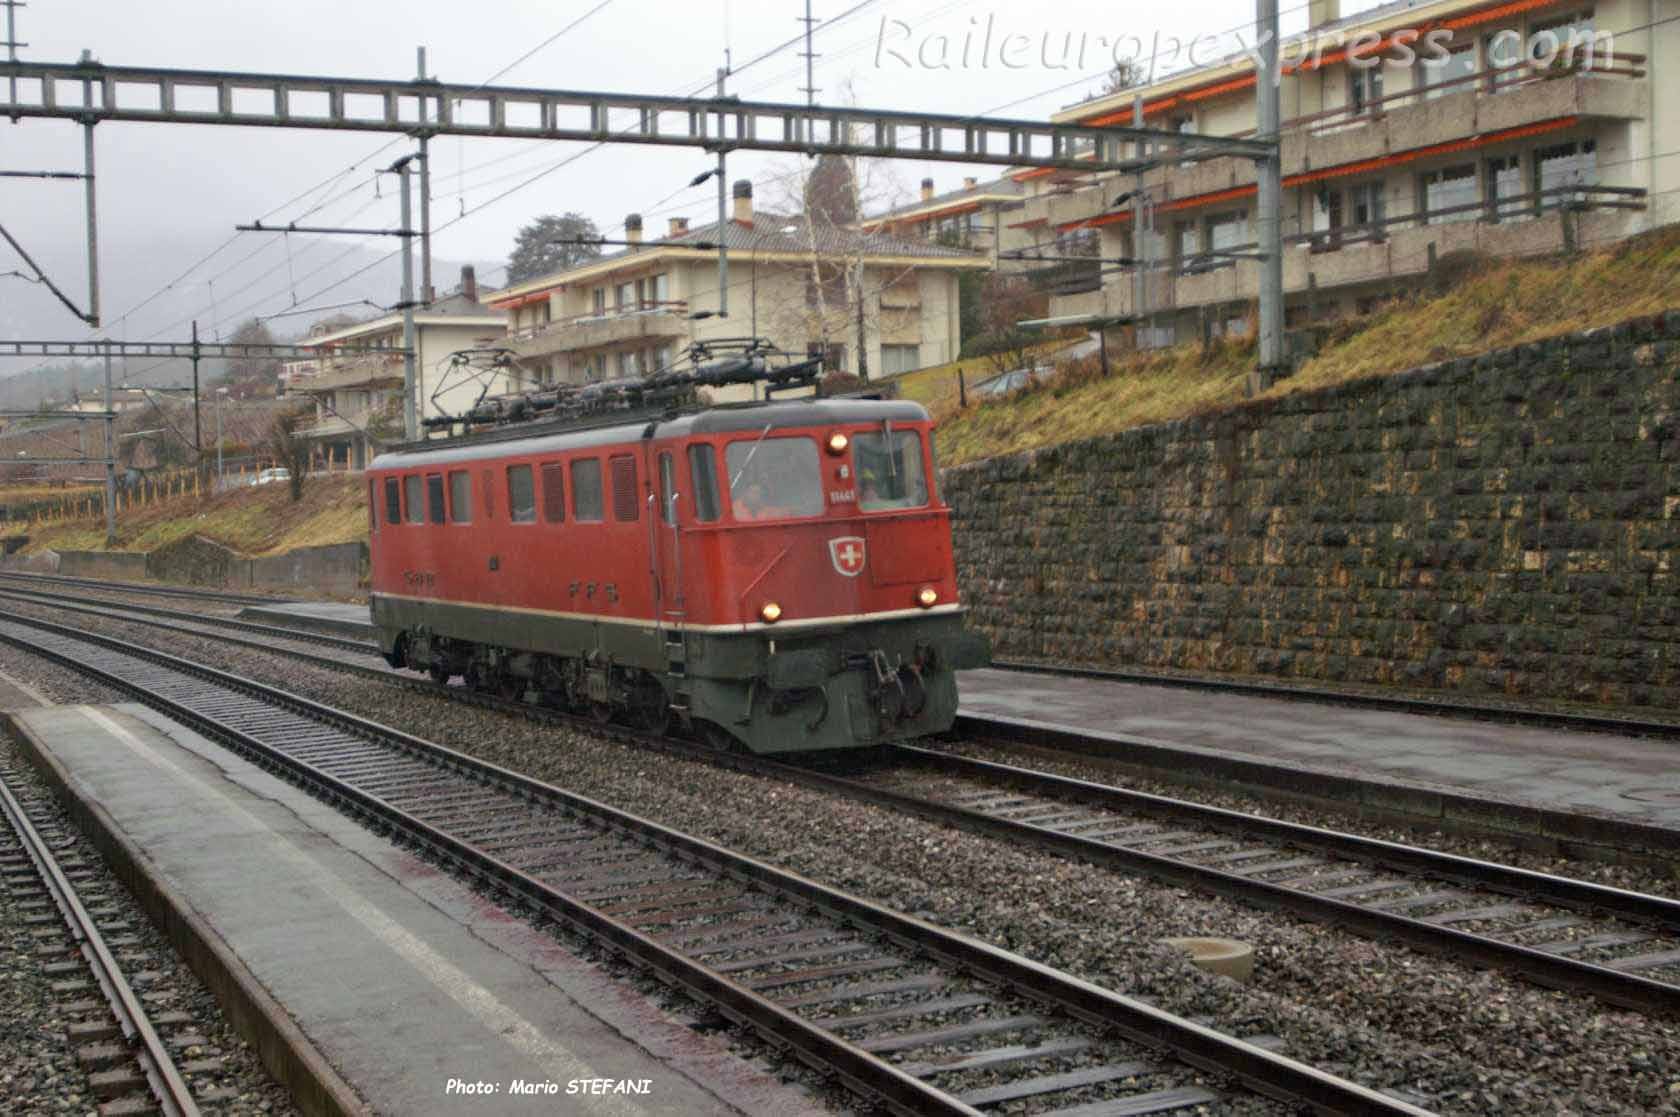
(1470, 711)
(144, 588)
(1550, 970)
(344, 643)
(1264, 1072)
(173, 1094)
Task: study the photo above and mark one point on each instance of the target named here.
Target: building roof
(451, 310)
(1002, 189)
(768, 236)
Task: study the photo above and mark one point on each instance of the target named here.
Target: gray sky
(170, 194)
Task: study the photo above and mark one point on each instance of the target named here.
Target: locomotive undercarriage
(764, 690)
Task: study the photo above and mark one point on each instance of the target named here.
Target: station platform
(1624, 777)
(330, 617)
(410, 992)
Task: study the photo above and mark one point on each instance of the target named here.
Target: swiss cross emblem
(847, 553)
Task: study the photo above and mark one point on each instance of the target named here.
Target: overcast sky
(173, 193)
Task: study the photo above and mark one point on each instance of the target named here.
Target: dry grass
(1505, 303)
(252, 521)
(27, 492)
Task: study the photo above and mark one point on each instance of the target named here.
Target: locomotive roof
(714, 420)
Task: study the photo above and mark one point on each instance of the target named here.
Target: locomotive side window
(373, 507)
(890, 473)
(554, 492)
(702, 471)
(774, 478)
(434, 498)
(667, 488)
(586, 490)
(460, 496)
(522, 495)
(624, 488)
(393, 501)
(412, 497)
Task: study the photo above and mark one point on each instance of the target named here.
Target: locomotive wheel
(601, 712)
(440, 673)
(715, 736)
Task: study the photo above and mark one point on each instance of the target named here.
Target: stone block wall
(1500, 525)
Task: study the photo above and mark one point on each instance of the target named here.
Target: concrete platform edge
(285, 1051)
(1585, 836)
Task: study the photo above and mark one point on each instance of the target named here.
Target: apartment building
(979, 217)
(358, 399)
(1411, 131)
(791, 280)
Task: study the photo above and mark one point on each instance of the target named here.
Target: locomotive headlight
(837, 443)
(927, 597)
(771, 612)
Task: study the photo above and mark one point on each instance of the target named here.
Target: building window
(1187, 241)
(522, 497)
(598, 300)
(1448, 189)
(393, 501)
(414, 496)
(1502, 55)
(624, 488)
(1564, 43)
(900, 358)
(1441, 76)
(1503, 181)
(460, 497)
(1327, 218)
(434, 498)
(554, 492)
(1365, 89)
(1559, 168)
(1226, 233)
(702, 470)
(586, 491)
(625, 297)
(1365, 203)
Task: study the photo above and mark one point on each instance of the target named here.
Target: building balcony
(353, 372)
(658, 322)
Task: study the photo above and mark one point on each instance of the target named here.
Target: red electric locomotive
(776, 574)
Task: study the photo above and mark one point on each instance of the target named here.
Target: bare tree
(1005, 302)
(290, 450)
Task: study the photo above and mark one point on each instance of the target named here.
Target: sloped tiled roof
(998, 186)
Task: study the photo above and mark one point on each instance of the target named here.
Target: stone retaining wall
(1505, 524)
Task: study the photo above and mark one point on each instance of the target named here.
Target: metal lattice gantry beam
(205, 350)
(91, 92)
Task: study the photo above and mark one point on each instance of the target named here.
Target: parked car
(1011, 381)
(271, 476)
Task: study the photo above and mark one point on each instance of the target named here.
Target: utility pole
(110, 454)
(428, 293)
(810, 87)
(92, 210)
(411, 378)
(723, 203)
(1269, 199)
(1141, 241)
(198, 427)
(12, 43)
(220, 475)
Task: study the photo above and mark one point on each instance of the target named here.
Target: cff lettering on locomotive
(776, 576)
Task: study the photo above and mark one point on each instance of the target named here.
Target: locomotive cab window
(774, 478)
(889, 470)
(522, 495)
(393, 501)
(702, 471)
(586, 490)
(412, 496)
(434, 498)
(460, 497)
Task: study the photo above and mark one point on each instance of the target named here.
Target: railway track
(1618, 946)
(116, 1041)
(911, 1016)
(191, 593)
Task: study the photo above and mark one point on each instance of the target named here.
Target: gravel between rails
(1470, 1042)
(40, 1073)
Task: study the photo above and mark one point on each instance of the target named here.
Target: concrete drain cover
(1654, 794)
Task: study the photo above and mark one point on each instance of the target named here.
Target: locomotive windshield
(774, 478)
(889, 469)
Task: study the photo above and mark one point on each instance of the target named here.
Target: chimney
(633, 228)
(1321, 12)
(927, 189)
(743, 201)
(970, 182)
(469, 283)
(679, 227)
